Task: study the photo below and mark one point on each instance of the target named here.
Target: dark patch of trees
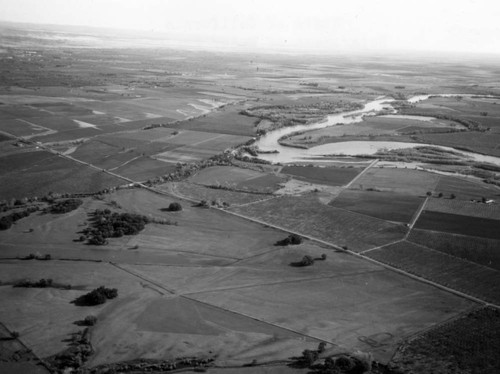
(341, 364)
(33, 256)
(42, 283)
(306, 261)
(97, 296)
(292, 239)
(6, 222)
(106, 224)
(64, 206)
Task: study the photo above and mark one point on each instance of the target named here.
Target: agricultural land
(148, 224)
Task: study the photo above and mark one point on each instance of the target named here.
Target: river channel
(269, 142)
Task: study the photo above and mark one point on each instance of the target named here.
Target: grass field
(482, 251)
(323, 175)
(404, 181)
(388, 206)
(464, 276)
(468, 344)
(459, 224)
(307, 215)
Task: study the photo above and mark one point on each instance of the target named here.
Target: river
(269, 142)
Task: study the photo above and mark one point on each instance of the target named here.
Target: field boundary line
(348, 185)
(333, 276)
(381, 246)
(416, 216)
(143, 278)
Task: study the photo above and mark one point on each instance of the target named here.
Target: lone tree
(429, 193)
(174, 207)
(452, 196)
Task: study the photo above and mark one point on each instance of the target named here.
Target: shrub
(292, 239)
(90, 321)
(14, 334)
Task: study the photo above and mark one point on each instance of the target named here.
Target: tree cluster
(106, 224)
(7, 221)
(97, 296)
(65, 206)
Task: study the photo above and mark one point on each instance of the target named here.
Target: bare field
(308, 216)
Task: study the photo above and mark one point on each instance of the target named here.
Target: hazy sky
(310, 25)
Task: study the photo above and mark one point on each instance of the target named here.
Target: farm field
(331, 176)
(238, 178)
(199, 193)
(459, 224)
(52, 174)
(482, 251)
(465, 189)
(404, 181)
(464, 208)
(308, 216)
(460, 275)
(321, 311)
(388, 206)
(224, 121)
(466, 344)
(223, 175)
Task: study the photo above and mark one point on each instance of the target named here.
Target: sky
(326, 26)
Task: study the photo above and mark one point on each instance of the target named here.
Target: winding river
(269, 142)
